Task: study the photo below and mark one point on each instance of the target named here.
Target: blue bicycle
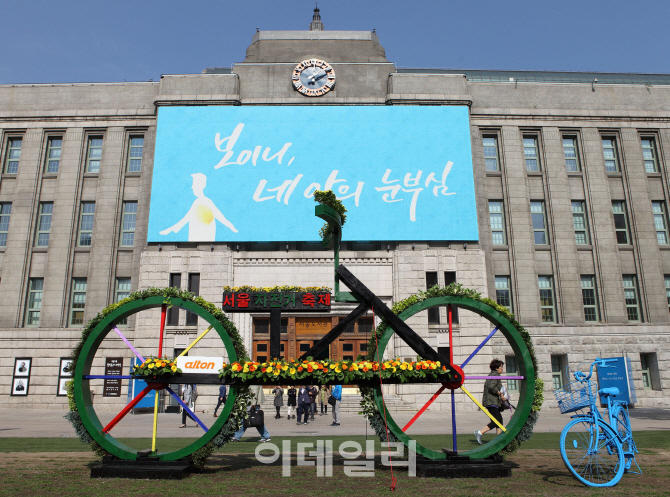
(597, 451)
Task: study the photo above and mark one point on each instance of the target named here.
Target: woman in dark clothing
(492, 398)
(279, 400)
(292, 401)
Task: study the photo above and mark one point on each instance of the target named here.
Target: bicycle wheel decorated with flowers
(158, 371)
(503, 325)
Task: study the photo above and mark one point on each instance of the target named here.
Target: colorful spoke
(423, 409)
(126, 409)
(153, 437)
(160, 339)
(453, 421)
(451, 341)
(190, 413)
(479, 347)
(486, 411)
(137, 354)
(195, 341)
(106, 377)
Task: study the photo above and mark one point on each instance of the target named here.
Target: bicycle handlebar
(602, 363)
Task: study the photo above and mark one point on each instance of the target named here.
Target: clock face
(313, 77)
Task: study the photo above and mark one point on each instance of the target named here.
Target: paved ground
(50, 423)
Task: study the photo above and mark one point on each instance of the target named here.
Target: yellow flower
(338, 370)
(246, 369)
(269, 369)
(151, 366)
(354, 367)
(292, 371)
(333, 366)
(410, 367)
(438, 364)
(174, 369)
(284, 367)
(403, 366)
(276, 372)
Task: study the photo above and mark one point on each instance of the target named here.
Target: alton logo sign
(203, 365)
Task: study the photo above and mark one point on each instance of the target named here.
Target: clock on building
(313, 77)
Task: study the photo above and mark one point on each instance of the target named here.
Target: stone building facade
(571, 178)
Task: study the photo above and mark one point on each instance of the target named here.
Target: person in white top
(201, 216)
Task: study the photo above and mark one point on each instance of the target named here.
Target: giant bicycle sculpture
(451, 376)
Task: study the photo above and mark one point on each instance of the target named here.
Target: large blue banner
(249, 173)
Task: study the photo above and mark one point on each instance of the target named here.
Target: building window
(173, 312)
(531, 154)
(53, 154)
(78, 302)
(570, 154)
(660, 222)
(512, 370)
(94, 154)
(86, 224)
(503, 292)
(262, 325)
(122, 292)
(34, 301)
(557, 371)
(650, 373)
(5, 212)
(547, 302)
(609, 152)
(135, 151)
(667, 289)
(129, 220)
(631, 295)
(433, 312)
(13, 155)
(649, 155)
(539, 223)
(193, 287)
(44, 223)
(579, 222)
(365, 325)
(620, 222)
(589, 299)
(497, 219)
(491, 153)
(449, 278)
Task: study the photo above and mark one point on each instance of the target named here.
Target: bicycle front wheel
(592, 454)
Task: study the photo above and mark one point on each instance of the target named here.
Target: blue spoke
(188, 411)
(480, 347)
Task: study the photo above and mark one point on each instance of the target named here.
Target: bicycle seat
(611, 391)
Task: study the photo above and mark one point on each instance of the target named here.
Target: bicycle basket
(575, 396)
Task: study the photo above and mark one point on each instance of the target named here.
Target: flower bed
(155, 366)
(331, 372)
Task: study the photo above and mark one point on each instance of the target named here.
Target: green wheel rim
(523, 360)
(82, 389)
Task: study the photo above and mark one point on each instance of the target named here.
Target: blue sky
(51, 41)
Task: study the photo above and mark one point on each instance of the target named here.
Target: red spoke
(160, 340)
(126, 409)
(423, 409)
(451, 341)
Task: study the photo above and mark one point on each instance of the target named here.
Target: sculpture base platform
(456, 466)
(145, 468)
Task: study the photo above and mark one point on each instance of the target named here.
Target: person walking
(279, 400)
(222, 398)
(291, 404)
(323, 399)
(189, 394)
(313, 393)
(304, 403)
(337, 393)
(491, 398)
(255, 404)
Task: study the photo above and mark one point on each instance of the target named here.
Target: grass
(61, 466)
(540, 441)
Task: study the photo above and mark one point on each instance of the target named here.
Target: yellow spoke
(153, 439)
(196, 341)
(486, 411)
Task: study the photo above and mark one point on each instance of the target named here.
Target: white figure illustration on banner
(202, 215)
